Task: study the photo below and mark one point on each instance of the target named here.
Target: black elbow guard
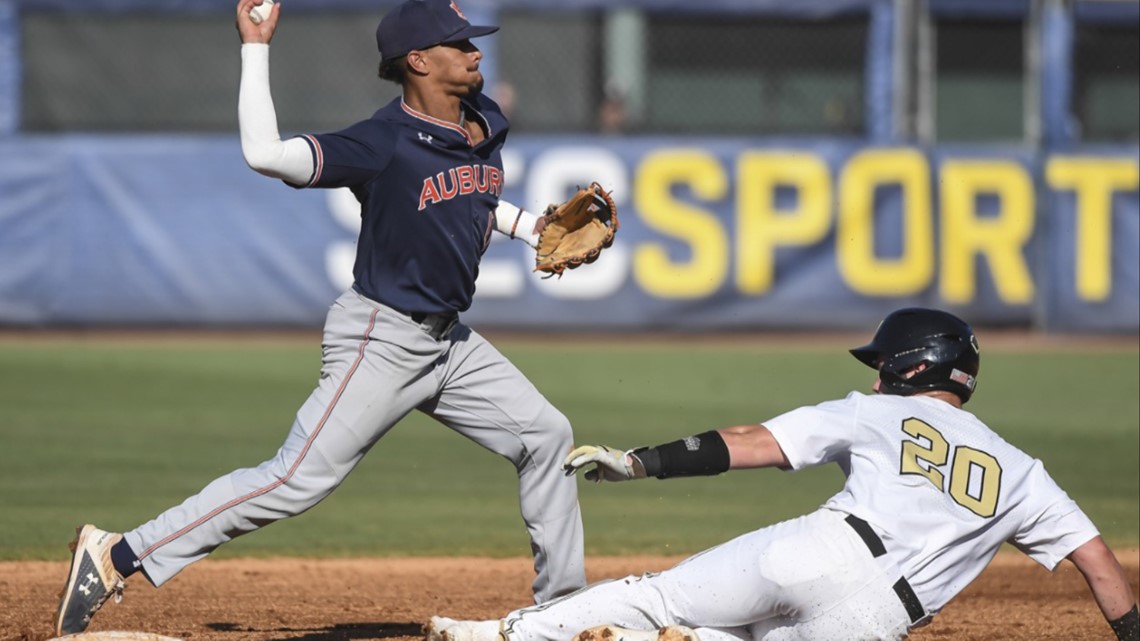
(1127, 627)
(701, 455)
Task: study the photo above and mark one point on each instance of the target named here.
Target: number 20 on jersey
(974, 476)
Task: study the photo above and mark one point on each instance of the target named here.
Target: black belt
(437, 326)
(905, 593)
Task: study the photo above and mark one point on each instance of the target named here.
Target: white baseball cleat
(91, 582)
(445, 629)
(433, 631)
(615, 633)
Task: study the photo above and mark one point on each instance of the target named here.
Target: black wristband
(701, 455)
(1127, 627)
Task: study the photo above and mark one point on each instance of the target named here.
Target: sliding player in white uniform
(931, 494)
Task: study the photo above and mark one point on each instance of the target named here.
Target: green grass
(114, 433)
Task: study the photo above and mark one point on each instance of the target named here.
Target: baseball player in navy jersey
(428, 172)
(931, 494)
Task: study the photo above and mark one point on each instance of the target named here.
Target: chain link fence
(1106, 97)
(621, 69)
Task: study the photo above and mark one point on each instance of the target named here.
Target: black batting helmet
(908, 337)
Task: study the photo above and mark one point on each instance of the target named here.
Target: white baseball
(261, 12)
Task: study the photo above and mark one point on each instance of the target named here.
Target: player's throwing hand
(256, 33)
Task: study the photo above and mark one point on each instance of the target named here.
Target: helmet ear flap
(895, 385)
(893, 373)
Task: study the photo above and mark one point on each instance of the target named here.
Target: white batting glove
(609, 464)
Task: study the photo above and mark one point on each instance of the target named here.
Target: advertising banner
(715, 234)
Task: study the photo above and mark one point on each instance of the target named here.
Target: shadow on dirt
(338, 632)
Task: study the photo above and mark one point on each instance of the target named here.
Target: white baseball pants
(805, 579)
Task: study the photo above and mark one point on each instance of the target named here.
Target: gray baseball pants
(378, 365)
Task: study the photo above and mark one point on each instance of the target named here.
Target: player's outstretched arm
(699, 455)
(707, 454)
(752, 446)
(1110, 588)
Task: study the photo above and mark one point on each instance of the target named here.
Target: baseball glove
(576, 231)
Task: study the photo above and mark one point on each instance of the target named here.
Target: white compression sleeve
(261, 143)
(516, 223)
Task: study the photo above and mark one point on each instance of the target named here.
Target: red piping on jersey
(319, 159)
(436, 121)
(296, 464)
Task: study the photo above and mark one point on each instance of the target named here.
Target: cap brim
(466, 33)
(471, 31)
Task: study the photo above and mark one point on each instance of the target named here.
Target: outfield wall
(716, 234)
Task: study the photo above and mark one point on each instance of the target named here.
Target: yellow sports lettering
(1000, 239)
(762, 227)
(863, 271)
(1094, 180)
(706, 269)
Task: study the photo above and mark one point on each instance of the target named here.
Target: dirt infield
(343, 600)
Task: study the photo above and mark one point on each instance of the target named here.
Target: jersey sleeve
(1055, 526)
(350, 157)
(816, 434)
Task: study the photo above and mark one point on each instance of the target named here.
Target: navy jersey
(427, 199)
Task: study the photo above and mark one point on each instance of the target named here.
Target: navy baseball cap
(419, 24)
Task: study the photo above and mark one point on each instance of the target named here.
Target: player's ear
(417, 62)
